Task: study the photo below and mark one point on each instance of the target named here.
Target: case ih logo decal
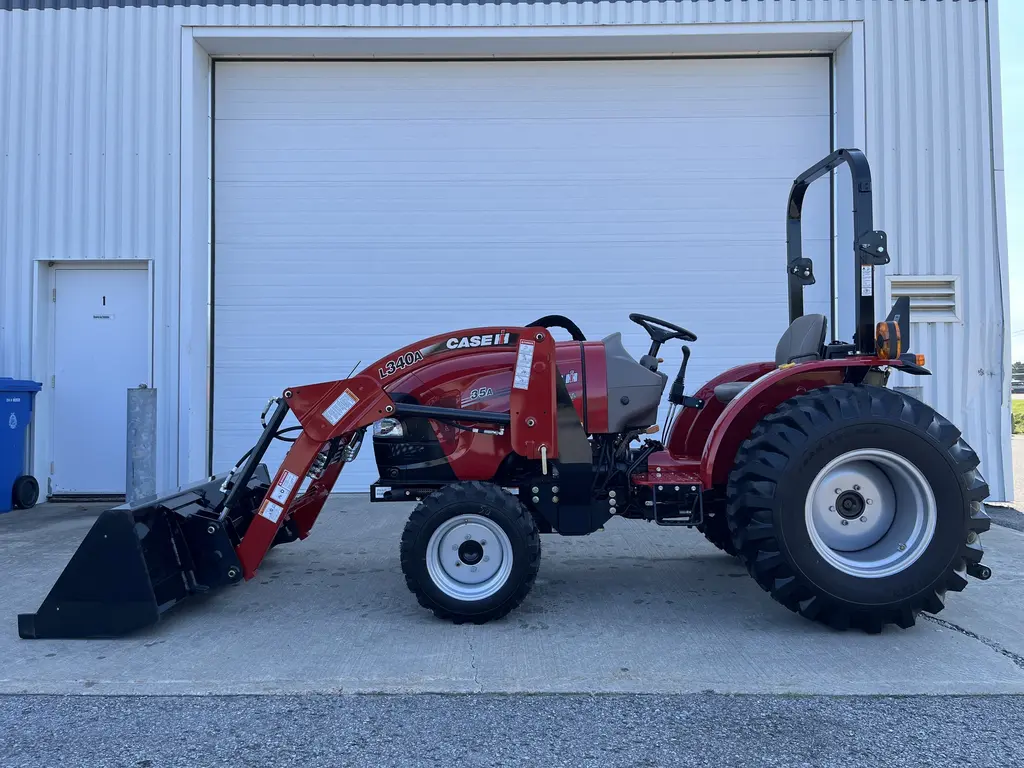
(403, 361)
(487, 340)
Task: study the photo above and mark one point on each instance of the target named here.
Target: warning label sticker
(336, 410)
(284, 486)
(524, 362)
(867, 281)
(271, 511)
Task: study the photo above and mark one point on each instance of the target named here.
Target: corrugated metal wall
(89, 121)
(930, 145)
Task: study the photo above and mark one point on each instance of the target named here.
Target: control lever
(675, 394)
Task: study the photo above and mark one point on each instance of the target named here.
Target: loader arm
(333, 416)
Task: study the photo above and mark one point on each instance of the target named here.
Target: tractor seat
(804, 340)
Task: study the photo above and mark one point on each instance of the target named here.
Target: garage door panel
(455, 90)
(499, 217)
(621, 144)
(361, 206)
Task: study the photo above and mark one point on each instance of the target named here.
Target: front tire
(470, 552)
(857, 506)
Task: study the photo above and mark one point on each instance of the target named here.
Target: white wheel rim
(870, 513)
(469, 557)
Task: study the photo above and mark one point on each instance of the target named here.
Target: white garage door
(361, 206)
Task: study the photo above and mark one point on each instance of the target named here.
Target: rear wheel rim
(870, 513)
(469, 557)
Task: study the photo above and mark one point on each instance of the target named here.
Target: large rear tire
(857, 506)
(470, 552)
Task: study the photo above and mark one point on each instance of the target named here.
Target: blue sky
(1011, 26)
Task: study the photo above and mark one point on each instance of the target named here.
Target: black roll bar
(870, 246)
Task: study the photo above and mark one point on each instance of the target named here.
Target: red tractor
(848, 502)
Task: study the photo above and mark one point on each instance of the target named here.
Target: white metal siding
(89, 125)
(363, 205)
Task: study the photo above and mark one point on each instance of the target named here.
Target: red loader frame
(334, 414)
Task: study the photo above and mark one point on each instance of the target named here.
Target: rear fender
(689, 432)
(742, 414)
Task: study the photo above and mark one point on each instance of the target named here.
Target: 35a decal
(391, 367)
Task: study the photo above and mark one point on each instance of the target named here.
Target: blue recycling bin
(16, 488)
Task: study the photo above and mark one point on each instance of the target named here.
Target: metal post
(140, 481)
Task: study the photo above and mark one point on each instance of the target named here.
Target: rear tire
(715, 527)
(470, 552)
(880, 551)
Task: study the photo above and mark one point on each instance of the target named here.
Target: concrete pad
(636, 608)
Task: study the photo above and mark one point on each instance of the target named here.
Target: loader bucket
(136, 562)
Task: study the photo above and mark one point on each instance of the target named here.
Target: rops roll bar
(869, 245)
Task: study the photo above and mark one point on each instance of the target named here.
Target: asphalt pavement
(520, 730)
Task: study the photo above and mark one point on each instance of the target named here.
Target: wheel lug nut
(486, 558)
(863, 518)
(473, 568)
(831, 509)
(535, 489)
(458, 565)
(870, 501)
(468, 537)
(856, 487)
(838, 491)
(483, 542)
(846, 522)
(972, 537)
(902, 547)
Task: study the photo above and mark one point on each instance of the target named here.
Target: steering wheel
(661, 331)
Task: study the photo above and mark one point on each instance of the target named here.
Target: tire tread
(784, 434)
(483, 494)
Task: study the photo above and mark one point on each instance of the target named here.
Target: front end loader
(848, 502)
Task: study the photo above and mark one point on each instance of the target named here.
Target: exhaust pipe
(138, 561)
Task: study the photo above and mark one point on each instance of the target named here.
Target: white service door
(101, 349)
(363, 205)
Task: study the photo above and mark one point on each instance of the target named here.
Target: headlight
(388, 428)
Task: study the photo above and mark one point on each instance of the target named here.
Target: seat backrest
(803, 340)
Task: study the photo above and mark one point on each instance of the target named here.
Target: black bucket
(138, 561)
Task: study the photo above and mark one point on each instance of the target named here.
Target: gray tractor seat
(804, 340)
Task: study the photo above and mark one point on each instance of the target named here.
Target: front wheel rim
(469, 557)
(870, 513)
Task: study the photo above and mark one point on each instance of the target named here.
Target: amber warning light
(887, 340)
